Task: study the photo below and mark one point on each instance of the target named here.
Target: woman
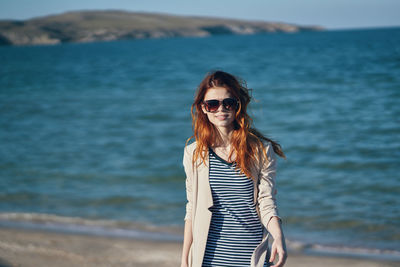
(230, 182)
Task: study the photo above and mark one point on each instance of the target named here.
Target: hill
(106, 25)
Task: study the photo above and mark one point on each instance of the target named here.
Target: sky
(332, 14)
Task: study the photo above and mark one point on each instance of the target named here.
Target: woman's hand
(187, 242)
(278, 247)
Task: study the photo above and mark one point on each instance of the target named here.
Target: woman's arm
(278, 245)
(267, 205)
(266, 187)
(187, 242)
(188, 234)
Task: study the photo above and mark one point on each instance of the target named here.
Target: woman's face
(222, 118)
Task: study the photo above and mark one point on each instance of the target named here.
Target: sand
(39, 248)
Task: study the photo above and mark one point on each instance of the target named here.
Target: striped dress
(235, 229)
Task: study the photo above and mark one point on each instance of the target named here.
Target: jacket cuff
(188, 214)
(267, 217)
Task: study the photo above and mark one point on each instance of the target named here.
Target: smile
(222, 117)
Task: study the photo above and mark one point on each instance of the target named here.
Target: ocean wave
(320, 249)
(125, 229)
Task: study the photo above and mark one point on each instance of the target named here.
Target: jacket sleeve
(266, 187)
(187, 164)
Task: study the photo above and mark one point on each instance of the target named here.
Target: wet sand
(39, 248)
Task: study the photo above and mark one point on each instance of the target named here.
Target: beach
(93, 136)
(26, 248)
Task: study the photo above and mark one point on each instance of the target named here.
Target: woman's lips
(221, 117)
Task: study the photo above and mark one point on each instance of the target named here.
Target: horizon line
(203, 16)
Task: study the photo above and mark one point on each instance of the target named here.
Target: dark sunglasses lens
(212, 105)
(229, 103)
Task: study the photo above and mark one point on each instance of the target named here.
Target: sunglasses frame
(221, 102)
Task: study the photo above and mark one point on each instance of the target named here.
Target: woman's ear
(203, 109)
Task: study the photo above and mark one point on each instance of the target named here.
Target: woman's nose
(222, 108)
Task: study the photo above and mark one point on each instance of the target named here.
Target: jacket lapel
(204, 183)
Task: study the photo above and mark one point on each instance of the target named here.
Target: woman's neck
(223, 146)
(225, 135)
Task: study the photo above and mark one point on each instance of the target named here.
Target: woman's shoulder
(260, 143)
(189, 148)
(264, 148)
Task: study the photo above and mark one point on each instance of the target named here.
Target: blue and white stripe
(235, 229)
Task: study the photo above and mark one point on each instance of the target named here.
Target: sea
(92, 134)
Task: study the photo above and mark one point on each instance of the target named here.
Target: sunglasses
(213, 104)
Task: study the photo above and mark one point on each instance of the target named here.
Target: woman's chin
(224, 124)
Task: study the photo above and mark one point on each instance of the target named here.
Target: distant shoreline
(108, 25)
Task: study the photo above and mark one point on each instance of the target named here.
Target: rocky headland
(107, 25)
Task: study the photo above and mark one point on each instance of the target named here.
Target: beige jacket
(199, 200)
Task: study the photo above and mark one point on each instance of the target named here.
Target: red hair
(246, 141)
